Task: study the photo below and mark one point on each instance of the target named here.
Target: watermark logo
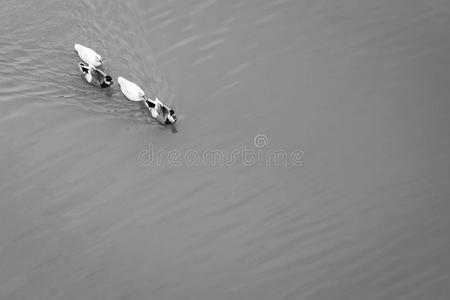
(260, 140)
(259, 154)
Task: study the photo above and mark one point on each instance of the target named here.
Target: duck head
(141, 95)
(98, 59)
(170, 117)
(107, 82)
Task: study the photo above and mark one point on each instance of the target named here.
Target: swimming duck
(168, 114)
(134, 93)
(88, 55)
(95, 76)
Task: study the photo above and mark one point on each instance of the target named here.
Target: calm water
(360, 87)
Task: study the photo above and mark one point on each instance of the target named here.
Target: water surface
(360, 87)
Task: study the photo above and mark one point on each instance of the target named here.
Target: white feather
(88, 77)
(130, 89)
(154, 113)
(88, 55)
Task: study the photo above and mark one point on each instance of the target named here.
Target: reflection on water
(360, 87)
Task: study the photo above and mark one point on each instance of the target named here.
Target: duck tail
(84, 68)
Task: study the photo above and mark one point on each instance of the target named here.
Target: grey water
(310, 160)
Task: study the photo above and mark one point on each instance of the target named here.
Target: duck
(131, 90)
(95, 76)
(88, 55)
(158, 110)
(134, 93)
(168, 114)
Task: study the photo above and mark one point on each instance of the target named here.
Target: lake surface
(310, 160)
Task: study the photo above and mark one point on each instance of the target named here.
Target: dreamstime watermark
(257, 155)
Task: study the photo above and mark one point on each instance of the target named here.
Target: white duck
(88, 55)
(134, 93)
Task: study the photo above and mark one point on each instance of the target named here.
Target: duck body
(88, 55)
(131, 90)
(95, 76)
(168, 115)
